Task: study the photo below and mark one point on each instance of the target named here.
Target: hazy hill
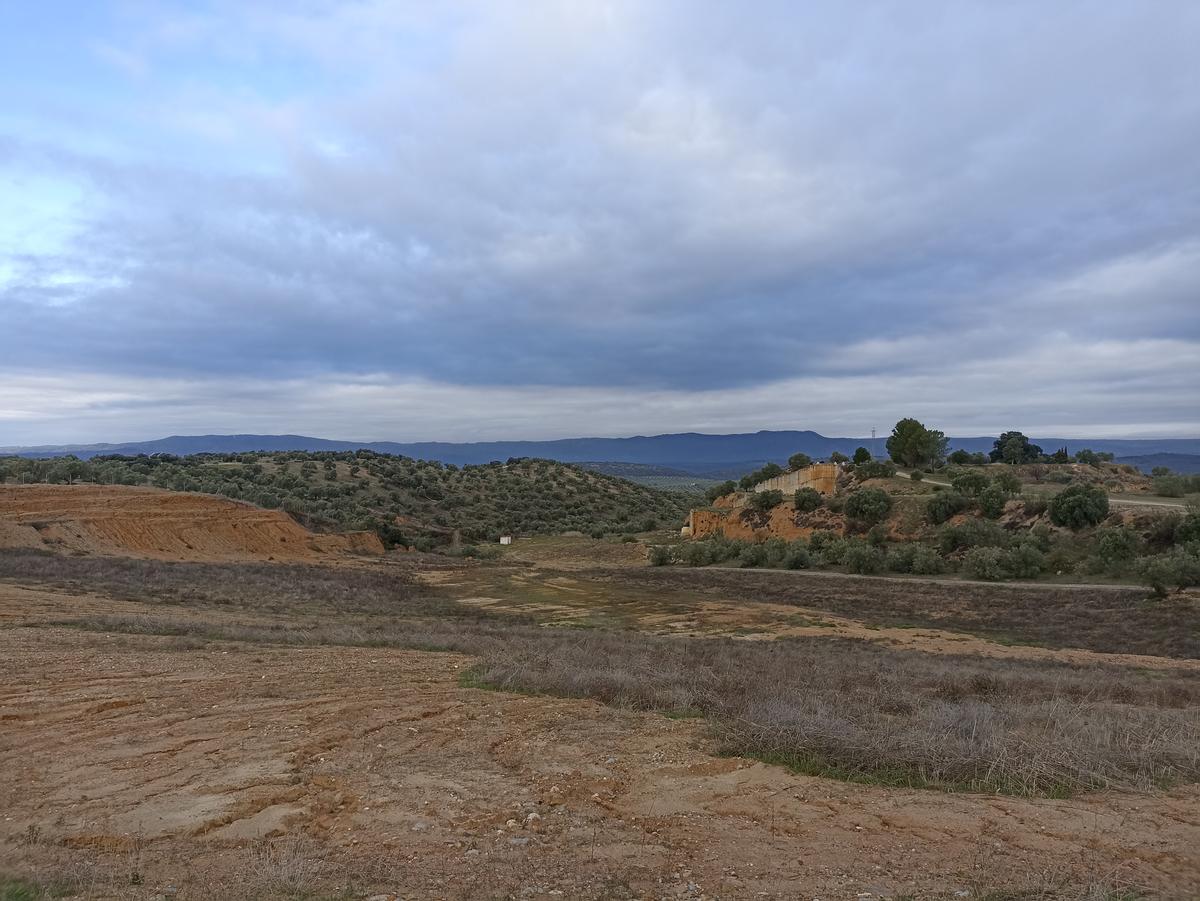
(711, 456)
(1181, 463)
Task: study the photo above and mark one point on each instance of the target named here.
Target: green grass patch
(14, 888)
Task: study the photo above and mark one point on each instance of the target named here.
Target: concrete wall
(821, 476)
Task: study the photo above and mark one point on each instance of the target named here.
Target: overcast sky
(391, 220)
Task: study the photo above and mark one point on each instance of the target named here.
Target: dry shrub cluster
(1110, 620)
(858, 710)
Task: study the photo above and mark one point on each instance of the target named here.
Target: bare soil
(168, 525)
(145, 765)
(132, 765)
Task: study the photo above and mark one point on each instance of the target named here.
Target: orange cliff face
(731, 517)
(781, 522)
(148, 522)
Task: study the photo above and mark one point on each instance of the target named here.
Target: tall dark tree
(799, 461)
(911, 444)
(1014, 447)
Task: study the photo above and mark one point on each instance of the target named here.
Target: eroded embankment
(147, 522)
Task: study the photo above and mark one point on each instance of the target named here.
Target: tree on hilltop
(911, 444)
(1014, 447)
(798, 461)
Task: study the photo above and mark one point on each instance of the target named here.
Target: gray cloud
(671, 201)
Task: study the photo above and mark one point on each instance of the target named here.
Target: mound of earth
(146, 522)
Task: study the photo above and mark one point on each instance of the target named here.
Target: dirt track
(169, 525)
(119, 749)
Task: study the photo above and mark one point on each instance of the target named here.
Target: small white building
(506, 539)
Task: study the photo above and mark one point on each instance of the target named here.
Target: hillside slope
(405, 501)
(146, 522)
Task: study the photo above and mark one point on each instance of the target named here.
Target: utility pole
(874, 448)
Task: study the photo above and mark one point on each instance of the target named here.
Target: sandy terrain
(129, 755)
(170, 525)
(149, 767)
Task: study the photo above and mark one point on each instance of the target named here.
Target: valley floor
(149, 765)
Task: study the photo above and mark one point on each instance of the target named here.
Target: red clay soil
(147, 522)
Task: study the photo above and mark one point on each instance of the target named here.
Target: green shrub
(799, 461)
(1116, 546)
(944, 505)
(807, 500)
(797, 556)
(1170, 486)
(1007, 482)
(878, 535)
(764, 501)
(752, 555)
(926, 562)
(1178, 568)
(774, 550)
(916, 559)
(830, 548)
(868, 505)
(1188, 529)
(970, 483)
(991, 501)
(1035, 506)
(820, 538)
(864, 559)
(1079, 506)
(987, 563)
(916, 475)
(720, 490)
(970, 534)
(695, 553)
(660, 555)
(875, 469)
(1025, 562)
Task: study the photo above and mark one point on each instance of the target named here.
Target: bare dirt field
(273, 731)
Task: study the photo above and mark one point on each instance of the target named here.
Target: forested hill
(709, 455)
(407, 501)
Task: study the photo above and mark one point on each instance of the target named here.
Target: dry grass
(859, 711)
(1110, 620)
(850, 709)
(262, 587)
(842, 708)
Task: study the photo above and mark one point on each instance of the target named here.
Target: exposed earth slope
(146, 522)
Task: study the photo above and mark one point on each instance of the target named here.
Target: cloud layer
(405, 221)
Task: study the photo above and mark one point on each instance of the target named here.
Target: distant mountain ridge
(713, 456)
